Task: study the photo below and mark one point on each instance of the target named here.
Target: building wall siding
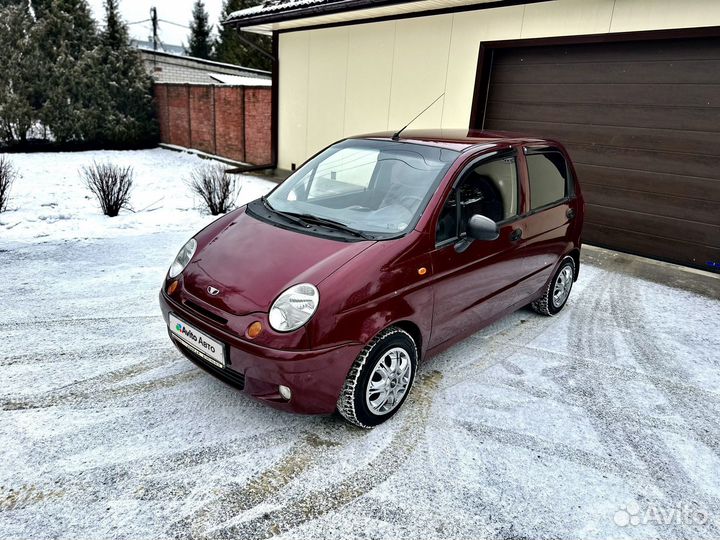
(341, 81)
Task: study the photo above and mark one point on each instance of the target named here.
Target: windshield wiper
(302, 219)
(333, 224)
(286, 215)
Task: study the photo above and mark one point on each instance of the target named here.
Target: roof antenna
(397, 134)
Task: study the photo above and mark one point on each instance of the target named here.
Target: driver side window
(489, 189)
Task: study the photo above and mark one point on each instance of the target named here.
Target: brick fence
(228, 121)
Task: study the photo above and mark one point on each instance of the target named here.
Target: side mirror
(482, 228)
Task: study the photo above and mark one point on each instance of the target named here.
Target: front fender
(381, 287)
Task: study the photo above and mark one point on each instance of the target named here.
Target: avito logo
(183, 330)
(187, 332)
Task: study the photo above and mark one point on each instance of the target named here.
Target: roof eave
(308, 11)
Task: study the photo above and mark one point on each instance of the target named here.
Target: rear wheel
(379, 380)
(558, 290)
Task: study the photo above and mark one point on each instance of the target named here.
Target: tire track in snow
(668, 474)
(700, 409)
(288, 516)
(148, 478)
(552, 449)
(585, 386)
(64, 321)
(578, 382)
(55, 357)
(239, 497)
(579, 387)
(94, 398)
(609, 418)
(591, 390)
(611, 372)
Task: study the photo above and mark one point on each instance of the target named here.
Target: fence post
(189, 116)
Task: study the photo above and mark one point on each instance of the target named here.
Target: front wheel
(558, 290)
(379, 380)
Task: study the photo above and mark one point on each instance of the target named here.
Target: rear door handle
(516, 235)
(570, 213)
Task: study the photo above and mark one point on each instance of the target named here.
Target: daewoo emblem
(213, 291)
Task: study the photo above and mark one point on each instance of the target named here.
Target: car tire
(362, 404)
(558, 289)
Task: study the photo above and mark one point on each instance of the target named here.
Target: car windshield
(376, 187)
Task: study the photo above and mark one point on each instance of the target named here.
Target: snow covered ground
(51, 202)
(599, 423)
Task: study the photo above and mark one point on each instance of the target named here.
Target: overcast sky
(176, 11)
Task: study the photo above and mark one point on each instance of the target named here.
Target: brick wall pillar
(230, 122)
(258, 125)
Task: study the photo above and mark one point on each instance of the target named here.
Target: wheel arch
(414, 331)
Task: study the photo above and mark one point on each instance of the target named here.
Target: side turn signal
(254, 330)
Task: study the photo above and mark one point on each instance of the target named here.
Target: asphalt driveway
(602, 422)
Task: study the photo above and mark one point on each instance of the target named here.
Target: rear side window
(548, 175)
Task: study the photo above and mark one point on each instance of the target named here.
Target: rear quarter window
(548, 177)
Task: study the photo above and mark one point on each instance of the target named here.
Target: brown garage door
(641, 121)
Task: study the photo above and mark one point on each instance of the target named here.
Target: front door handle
(516, 235)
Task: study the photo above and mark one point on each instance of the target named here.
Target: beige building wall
(347, 80)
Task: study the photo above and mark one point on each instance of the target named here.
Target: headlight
(294, 307)
(183, 258)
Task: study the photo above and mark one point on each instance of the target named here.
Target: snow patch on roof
(239, 80)
(272, 6)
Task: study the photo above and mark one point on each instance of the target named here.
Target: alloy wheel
(562, 286)
(389, 381)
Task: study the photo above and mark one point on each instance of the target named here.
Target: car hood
(251, 262)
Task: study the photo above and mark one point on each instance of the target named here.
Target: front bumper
(315, 376)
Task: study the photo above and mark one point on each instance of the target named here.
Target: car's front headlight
(294, 307)
(183, 258)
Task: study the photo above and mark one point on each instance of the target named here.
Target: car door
(552, 207)
(473, 283)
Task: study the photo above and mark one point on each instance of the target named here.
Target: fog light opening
(285, 392)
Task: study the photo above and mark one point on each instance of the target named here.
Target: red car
(378, 252)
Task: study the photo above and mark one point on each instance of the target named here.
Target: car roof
(458, 139)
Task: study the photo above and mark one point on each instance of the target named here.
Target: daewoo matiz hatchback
(376, 253)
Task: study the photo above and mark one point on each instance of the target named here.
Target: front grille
(226, 374)
(206, 313)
